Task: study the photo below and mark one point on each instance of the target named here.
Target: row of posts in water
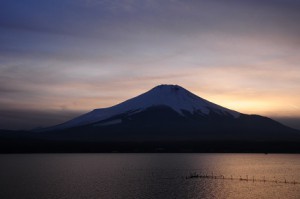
(246, 178)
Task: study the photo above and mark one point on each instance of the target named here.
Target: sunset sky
(62, 58)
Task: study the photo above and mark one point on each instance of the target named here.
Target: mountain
(173, 97)
(169, 118)
(170, 112)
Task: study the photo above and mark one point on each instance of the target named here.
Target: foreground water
(102, 176)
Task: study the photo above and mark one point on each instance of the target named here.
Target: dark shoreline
(42, 146)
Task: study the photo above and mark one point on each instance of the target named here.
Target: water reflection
(145, 176)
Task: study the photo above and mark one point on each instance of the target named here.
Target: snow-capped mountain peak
(172, 96)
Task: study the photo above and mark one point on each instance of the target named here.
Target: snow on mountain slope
(173, 96)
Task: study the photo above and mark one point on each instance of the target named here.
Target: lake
(109, 176)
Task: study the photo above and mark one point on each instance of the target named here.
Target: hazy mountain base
(29, 144)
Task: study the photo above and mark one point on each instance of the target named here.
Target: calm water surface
(93, 176)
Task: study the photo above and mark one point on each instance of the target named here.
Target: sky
(62, 58)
